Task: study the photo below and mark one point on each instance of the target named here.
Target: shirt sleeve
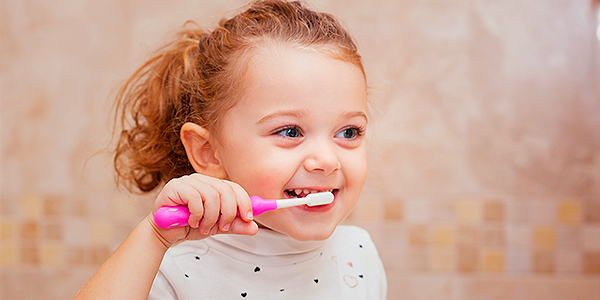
(167, 285)
(161, 288)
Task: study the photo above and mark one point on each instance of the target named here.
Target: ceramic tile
(29, 230)
(568, 237)
(467, 257)
(29, 255)
(469, 211)
(494, 211)
(544, 237)
(75, 255)
(418, 235)
(591, 262)
(7, 207)
(592, 211)
(543, 212)
(443, 212)
(393, 210)
(52, 254)
(442, 259)
(53, 205)
(569, 212)
(31, 206)
(519, 236)
(543, 261)
(8, 254)
(76, 232)
(518, 212)
(417, 259)
(493, 236)
(518, 261)
(123, 208)
(443, 235)
(101, 232)
(590, 237)
(467, 235)
(493, 261)
(417, 211)
(366, 211)
(78, 208)
(7, 230)
(53, 231)
(98, 255)
(568, 261)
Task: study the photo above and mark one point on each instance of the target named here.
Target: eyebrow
(299, 112)
(282, 113)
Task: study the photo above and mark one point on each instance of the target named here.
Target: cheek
(356, 168)
(259, 172)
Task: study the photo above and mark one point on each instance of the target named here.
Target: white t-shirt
(272, 265)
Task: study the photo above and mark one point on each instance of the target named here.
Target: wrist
(167, 237)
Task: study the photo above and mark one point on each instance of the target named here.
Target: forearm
(129, 272)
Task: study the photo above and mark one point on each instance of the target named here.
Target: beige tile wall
(485, 150)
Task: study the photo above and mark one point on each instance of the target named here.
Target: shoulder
(348, 234)
(353, 239)
(351, 230)
(181, 255)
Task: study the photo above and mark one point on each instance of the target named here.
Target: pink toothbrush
(177, 216)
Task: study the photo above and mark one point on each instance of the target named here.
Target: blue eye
(350, 133)
(290, 132)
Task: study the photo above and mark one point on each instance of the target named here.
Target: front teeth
(301, 193)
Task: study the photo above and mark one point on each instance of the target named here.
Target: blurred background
(485, 145)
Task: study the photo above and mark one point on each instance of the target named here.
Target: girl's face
(298, 128)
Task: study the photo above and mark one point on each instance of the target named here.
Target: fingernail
(250, 216)
(226, 227)
(205, 231)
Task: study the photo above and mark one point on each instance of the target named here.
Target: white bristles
(310, 200)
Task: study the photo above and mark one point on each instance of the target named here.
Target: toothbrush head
(319, 199)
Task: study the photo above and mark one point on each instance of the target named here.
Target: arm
(129, 272)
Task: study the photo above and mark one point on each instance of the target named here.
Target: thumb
(239, 226)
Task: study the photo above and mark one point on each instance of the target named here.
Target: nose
(322, 158)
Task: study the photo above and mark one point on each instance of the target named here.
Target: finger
(211, 202)
(228, 205)
(175, 192)
(240, 226)
(181, 192)
(244, 205)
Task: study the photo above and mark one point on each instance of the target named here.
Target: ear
(200, 150)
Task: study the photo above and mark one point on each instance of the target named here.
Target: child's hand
(213, 206)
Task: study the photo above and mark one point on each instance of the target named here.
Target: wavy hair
(196, 77)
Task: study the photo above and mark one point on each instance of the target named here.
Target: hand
(213, 205)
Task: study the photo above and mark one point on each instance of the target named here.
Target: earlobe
(200, 150)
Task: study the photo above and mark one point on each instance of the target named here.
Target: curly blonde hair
(196, 78)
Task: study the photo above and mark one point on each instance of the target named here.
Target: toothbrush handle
(260, 205)
(168, 217)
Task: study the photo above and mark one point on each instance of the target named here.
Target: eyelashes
(294, 132)
(289, 131)
(351, 132)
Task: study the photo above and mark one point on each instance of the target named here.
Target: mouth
(301, 193)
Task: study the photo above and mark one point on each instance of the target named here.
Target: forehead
(301, 73)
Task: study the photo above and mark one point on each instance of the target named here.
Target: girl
(273, 103)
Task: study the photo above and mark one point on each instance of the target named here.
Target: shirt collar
(267, 242)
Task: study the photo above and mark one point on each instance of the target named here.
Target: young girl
(272, 103)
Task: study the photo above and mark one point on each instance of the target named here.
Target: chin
(313, 234)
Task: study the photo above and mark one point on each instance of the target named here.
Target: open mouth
(301, 193)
